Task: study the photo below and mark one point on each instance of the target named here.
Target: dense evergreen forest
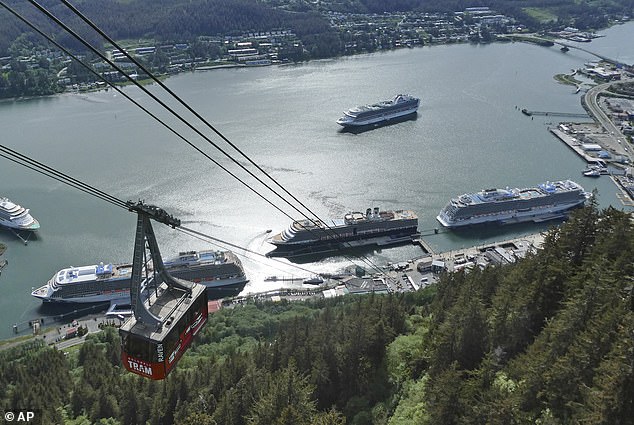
(547, 340)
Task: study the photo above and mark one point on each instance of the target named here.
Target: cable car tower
(168, 312)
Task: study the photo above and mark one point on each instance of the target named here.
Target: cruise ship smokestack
(368, 212)
(376, 211)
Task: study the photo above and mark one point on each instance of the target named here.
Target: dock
(573, 144)
(506, 251)
(555, 114)
(625, 184)
(427, 249)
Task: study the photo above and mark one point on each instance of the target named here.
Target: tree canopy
(546, 340)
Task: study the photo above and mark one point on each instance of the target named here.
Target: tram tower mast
(146, 241)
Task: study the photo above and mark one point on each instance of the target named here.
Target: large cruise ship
(220, 271)
(547, 201)
(400, 106)
(355, 229)
(16, 217)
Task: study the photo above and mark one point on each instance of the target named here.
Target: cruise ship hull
(380, 113)
(377, 120)
(536, 215)
(355, 230)
(221, 273)
(225, 288)
(35, 225)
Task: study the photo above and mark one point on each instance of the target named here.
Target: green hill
(547, 340)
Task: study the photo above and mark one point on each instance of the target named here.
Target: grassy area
(22, 338)
(567, 79)
(16, 340)
(542, 15)
(132, 43)
(529, 39)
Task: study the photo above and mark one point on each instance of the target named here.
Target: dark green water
(468, 135)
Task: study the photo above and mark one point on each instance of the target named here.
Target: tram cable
(144, 109)
(156, 118)
(363, 258)
(61, 177)
(74, 34)
(37, 166)
(182, 102)
(210, 239)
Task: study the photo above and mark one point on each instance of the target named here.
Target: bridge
(603, 58)
(570, 46)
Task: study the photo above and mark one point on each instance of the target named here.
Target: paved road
(592, 102)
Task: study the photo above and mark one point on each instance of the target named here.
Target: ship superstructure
(355, 229)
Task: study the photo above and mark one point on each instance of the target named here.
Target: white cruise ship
(16, 217)
(547, 201)
(220, 271)
(378, 113)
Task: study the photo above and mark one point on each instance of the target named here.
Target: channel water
(469, 134)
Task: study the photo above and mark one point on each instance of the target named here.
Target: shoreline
(506, 38)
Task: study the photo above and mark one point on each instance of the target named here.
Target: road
(592, 102)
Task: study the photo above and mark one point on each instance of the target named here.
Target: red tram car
(153, 353)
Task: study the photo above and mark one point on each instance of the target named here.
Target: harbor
(406, 276)
(467, 135)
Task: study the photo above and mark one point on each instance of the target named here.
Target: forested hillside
(548, 340)
(174, 20)
(184, 20)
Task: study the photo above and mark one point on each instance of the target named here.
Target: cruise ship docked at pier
(355, 229)
(400, 106)
(547, 201)
(16, 217)
(220, 271)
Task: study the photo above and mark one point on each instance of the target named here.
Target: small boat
(314, 281)
(595, 170)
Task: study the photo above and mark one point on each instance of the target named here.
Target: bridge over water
(572, 46)
(603, 58)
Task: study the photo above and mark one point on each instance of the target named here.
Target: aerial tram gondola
(167, 312)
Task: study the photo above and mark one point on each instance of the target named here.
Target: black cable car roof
(169, 301)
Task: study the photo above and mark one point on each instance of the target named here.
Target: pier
(572, 144)
(427, 249)
(554, 114)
